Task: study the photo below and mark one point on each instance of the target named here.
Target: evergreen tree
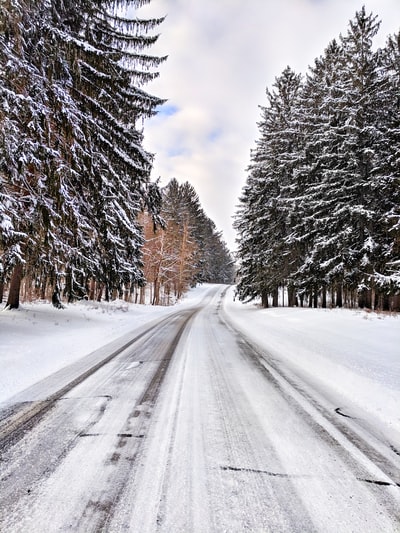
(319, 211)
(74, 172)
(319, 189)
(358, 211)
(386, 175)
(263, 220)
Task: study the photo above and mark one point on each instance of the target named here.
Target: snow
(38, 340)
(227, 447)
(351, 357)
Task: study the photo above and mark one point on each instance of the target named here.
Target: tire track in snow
(98, 514)
(17, 420)
(116, 467)
(372, 461)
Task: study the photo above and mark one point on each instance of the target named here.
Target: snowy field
(346, 354)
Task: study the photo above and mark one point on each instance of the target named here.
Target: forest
(319, 215)
(79, 214)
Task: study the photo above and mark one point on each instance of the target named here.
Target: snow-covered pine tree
(386, 178)
(357, 210)
(322, 210)
(24, 119)
(107, 52)
(345, 114)
(320, 177)
(209, 261)
(252, 278)
(263, 220)
(188, 250)
(219, 260)
(74, 174)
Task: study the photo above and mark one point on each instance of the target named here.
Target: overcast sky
(223, 54)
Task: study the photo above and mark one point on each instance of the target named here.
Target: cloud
(222, 56)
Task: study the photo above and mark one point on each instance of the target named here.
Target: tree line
(319, 215)
(74, 175)
(187, 251)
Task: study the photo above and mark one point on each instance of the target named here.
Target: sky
(222, 56)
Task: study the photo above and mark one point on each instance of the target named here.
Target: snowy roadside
(38, 340)
(346, 354)
(351, 355)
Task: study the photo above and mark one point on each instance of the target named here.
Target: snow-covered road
(195, 428)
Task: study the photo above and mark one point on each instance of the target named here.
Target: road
(190, 428)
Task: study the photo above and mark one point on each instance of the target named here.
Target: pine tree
(386, 182)
(320, 176)
(24, 116)
(73, 152)
(358, 212)
(263, 219)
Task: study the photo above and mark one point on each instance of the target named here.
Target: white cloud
(222, 56)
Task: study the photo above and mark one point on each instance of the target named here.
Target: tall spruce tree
(357, 209)
(319, 210)
(319, 190)
(386, 175)
(263, 220)
(74, 172)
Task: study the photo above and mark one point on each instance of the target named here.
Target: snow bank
(351, 356)
(37, 340)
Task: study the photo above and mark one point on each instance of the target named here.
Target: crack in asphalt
(303, 476)
(266, 472)
(395, 450)
(338, 410)
(123, 435)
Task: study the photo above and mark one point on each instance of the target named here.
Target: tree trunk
(15, 285)
(43, 286)
(68, 286)
(373, 303)
(264, 299)
(142, 299)
(99, 295)
(395, 304)
(386, 302)
(92, 289)
(156, 293)
(107, 293)
(315, 298)
(339, 299)
(292, 299)
(333, 297)
(361, 299)
(275, 296)
(324, 297)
